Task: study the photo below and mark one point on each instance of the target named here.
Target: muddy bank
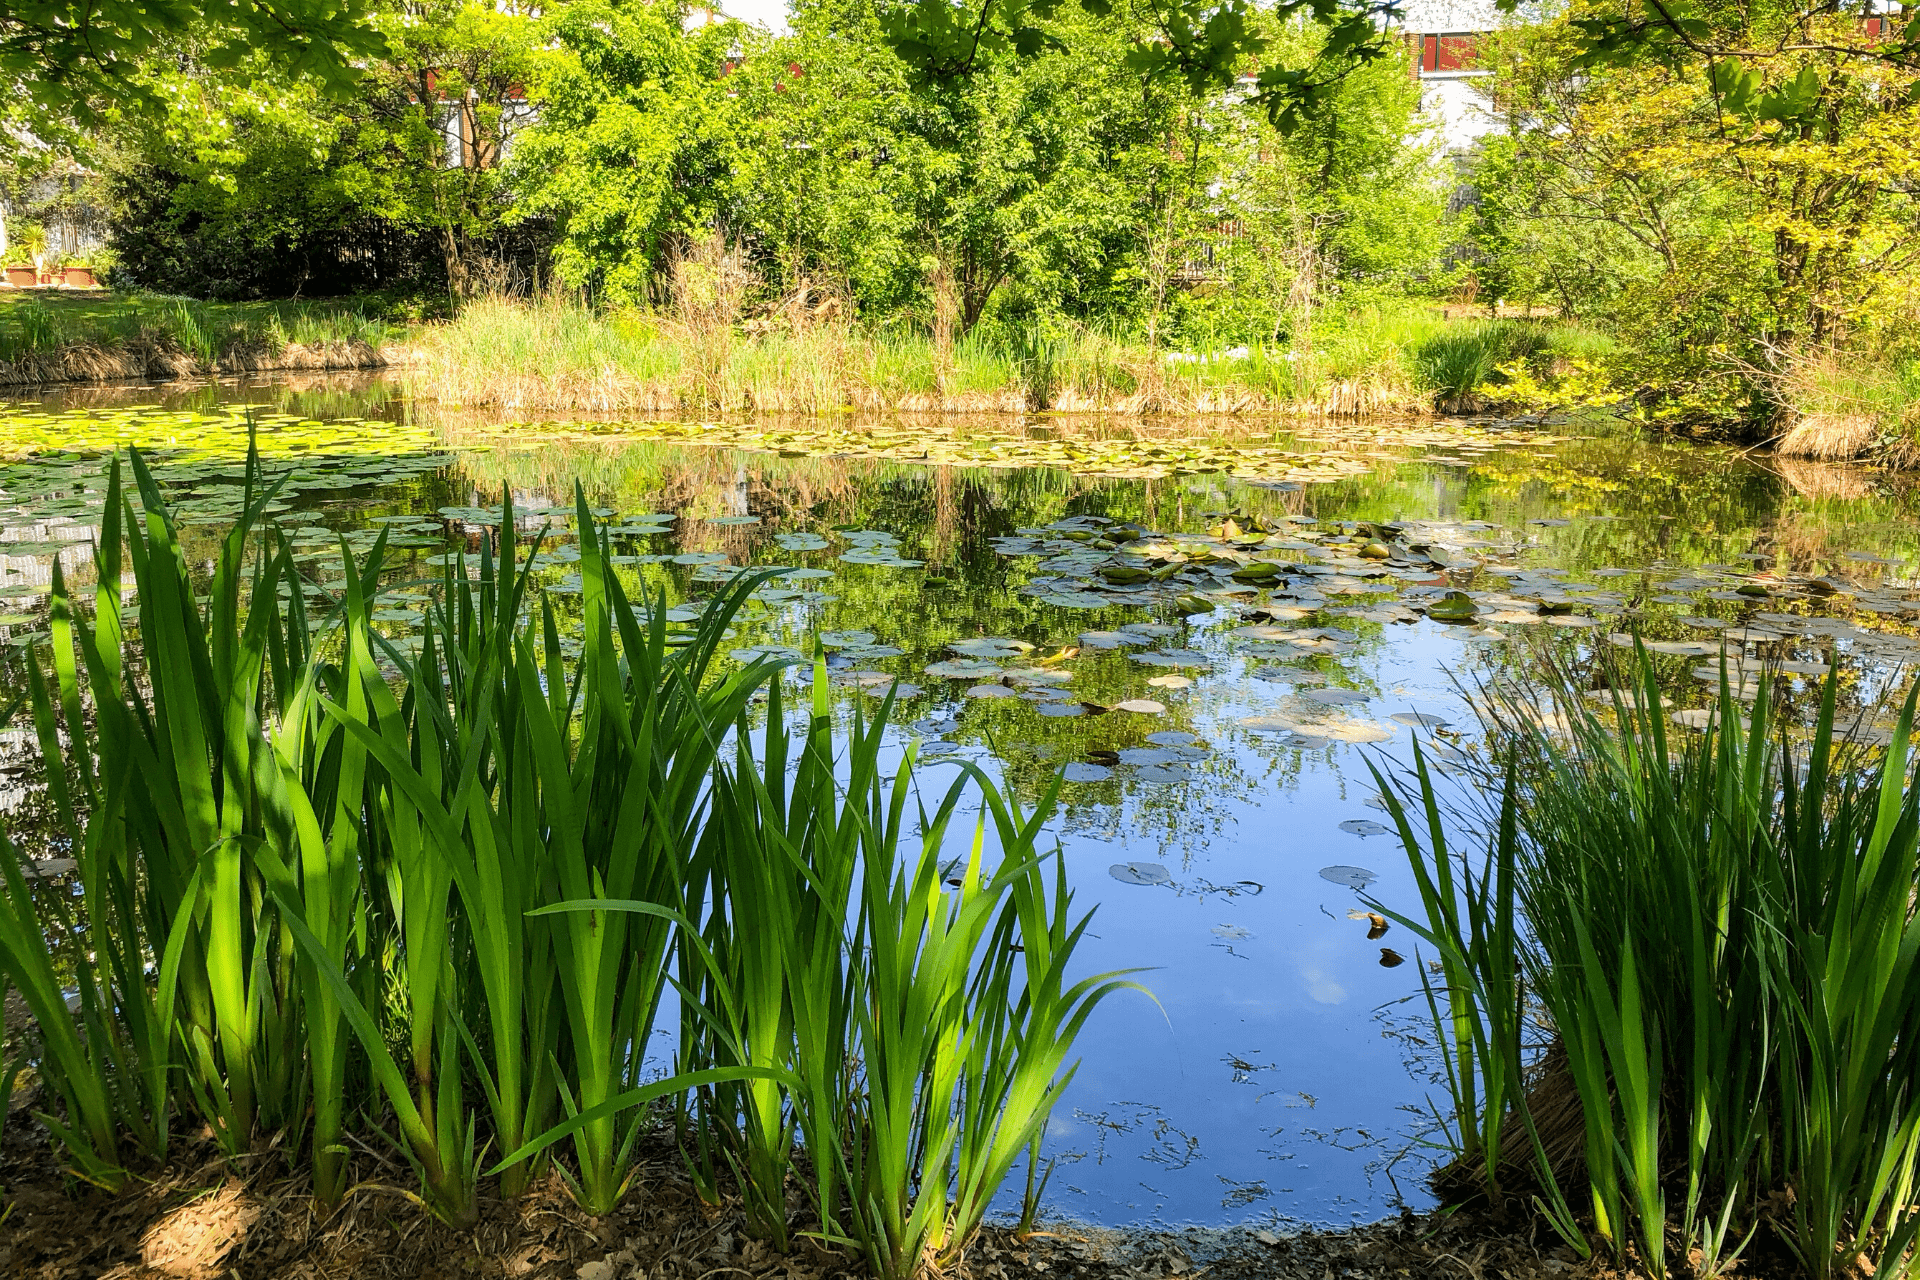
(89, 362)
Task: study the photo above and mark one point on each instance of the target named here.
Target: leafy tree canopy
(70, 58)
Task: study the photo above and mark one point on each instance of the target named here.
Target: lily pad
(963, 669)
(1078, 772)
(1173, 738)
(1142, 706)
(1111, 639)
(990, 647)
(767, 652)
(1455, 606)
(1139, 873)
(801, 542)
(1352, 877)
(1363, 827)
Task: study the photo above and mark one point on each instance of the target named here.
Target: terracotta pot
(20, 276)
(77, 277)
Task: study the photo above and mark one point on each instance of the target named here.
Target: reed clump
(708, 350)
(147, 336)
(334, 891)
(1680, 989)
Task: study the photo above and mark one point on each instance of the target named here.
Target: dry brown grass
(91, 362)
(1820, 482)
(1830, 437)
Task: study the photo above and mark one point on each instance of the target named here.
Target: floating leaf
(845, 639)
(1173, 738)
(1363, 827)
(1141, 706)
(990, 647)
(801, 542)
(1139, 873)
(963, 669)
(1455, 606)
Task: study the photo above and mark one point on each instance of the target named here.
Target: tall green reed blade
(769, 952)
(1726, 949)
(205, 674)
(79, 1068)
(1472, 924)
(1017, 1068)
(621, 815)
(377, 776)
(951, 1081)
(460, 710)
(1850, 969)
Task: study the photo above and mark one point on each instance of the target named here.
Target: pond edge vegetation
(1679, 993)
(45, 342)
(331, 894)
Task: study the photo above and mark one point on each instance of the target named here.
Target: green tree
(433, 132)
(1736, 220)
(634, 142)
(248, 182)
(69, 58)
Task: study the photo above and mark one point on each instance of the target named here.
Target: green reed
(333, 889)
(1720, 936)
(913, 1007)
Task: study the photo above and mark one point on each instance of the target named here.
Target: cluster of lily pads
(1313, 452)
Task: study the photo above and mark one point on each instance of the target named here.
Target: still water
(1084, 596)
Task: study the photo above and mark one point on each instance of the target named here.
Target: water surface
(1216, 732)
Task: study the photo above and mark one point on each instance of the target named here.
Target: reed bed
(556, 356)
(333, 891)
(141, 336)
(1680, 989)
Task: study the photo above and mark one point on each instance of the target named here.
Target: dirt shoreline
(205, 1217)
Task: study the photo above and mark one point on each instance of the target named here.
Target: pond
(1084, 596)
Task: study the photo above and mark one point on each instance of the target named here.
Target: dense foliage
(1739, 206)
(1678, 995)
(334, 891)
(498, 149)
(1726, 191)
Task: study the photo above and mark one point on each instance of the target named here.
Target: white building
(1447, 34)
